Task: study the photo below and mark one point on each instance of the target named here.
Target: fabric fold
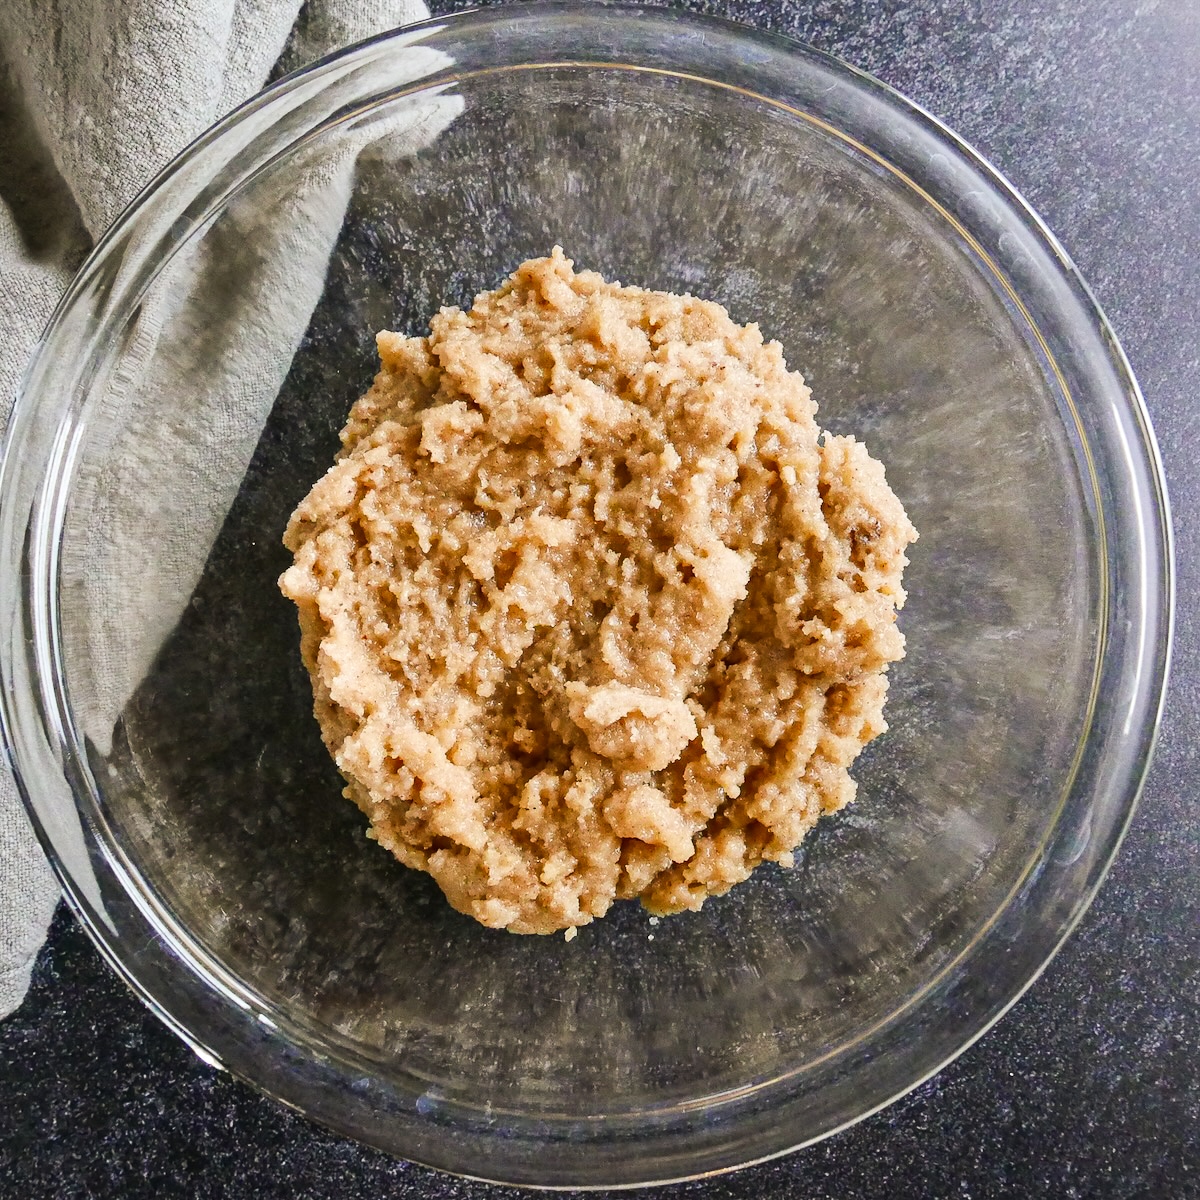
(109, 95)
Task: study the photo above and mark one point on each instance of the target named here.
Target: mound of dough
(593, 609)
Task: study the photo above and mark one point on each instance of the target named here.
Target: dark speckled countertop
(1088, 1088)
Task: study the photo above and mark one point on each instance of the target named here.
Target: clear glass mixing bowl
(189, 391)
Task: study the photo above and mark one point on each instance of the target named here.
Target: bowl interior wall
(214, 778)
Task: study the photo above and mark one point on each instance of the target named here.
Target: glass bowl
(189, 391)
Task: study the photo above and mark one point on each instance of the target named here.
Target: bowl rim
(27, 593)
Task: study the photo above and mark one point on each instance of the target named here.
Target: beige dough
(592, 608)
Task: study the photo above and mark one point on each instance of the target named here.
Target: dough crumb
(592, 608)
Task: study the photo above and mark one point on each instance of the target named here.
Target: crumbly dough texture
(593, 609)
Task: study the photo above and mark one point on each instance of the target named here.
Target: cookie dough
(593, 609)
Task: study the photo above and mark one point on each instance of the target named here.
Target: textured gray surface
(1088, 1088)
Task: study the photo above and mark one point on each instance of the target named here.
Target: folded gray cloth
(93, 102)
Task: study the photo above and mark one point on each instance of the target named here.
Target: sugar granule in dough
(592, 608)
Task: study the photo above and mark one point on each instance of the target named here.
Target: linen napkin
(93, 102)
